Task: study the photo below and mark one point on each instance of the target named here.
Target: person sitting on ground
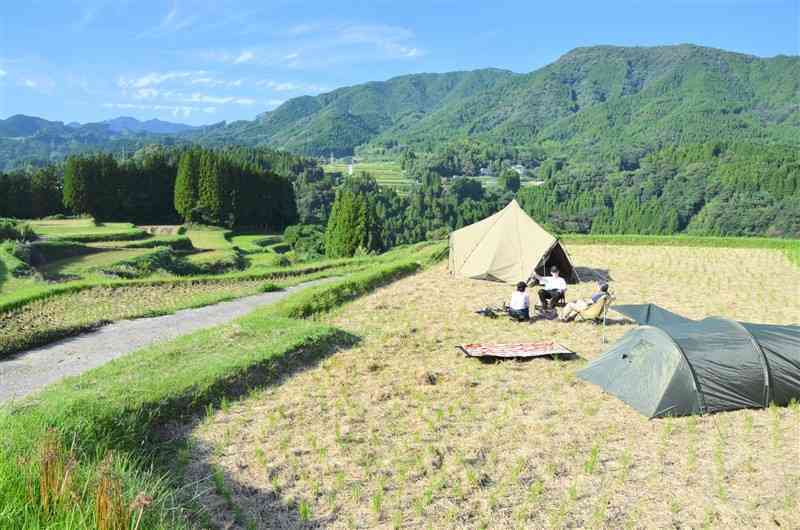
(572, 309)
(520, 303)
(553, 288)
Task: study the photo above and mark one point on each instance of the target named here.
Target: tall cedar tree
(210, 198)
(186, 183)
(78, 186)
(353, 225)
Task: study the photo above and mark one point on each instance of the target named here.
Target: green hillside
(338, 121)
(625, 100)
(628, 99)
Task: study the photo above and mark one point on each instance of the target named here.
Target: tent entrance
(556, 256)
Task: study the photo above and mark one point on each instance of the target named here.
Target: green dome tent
(674, 366)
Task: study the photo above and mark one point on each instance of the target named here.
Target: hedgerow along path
(26, 372)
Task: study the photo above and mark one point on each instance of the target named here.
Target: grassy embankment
(98, 440)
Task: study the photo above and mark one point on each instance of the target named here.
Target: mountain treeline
(727, 189)
(157, 185)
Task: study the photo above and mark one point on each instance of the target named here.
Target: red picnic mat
(523, 349)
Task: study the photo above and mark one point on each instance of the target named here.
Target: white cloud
(3, 73)
(156, 78)
(303, 29)
(30, 83)
(146, 93)
(289, 86)
(172, 22)
(210, 81)
(180, 111)
(244, 57)
(198, 97)
(395, 41)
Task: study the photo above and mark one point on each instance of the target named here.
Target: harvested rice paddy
(43, 320)
(403, 431)
(87, 263)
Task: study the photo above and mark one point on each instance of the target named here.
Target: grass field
(402, 431)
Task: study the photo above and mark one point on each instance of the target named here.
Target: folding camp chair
(596, 313)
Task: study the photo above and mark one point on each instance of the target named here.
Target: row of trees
(217, 188)
(37, 194)
(233, 187)
(368, 218)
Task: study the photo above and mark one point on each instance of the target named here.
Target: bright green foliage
(209, 188)
(307, 241)
(509, 180)
(77, 185)
(186, 183)
(354, 224)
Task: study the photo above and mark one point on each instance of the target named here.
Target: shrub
(13, 230)
(18, 260)
(162, 259)
(307, 241)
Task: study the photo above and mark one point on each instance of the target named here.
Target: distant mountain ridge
(155, 126)
(609, 100)
(29, 139)
(21, 125)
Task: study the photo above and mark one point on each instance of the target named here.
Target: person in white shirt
(553, 288)
(520, 303)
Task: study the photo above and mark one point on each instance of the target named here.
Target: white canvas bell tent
(507, 247)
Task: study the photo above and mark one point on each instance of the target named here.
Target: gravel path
(27, 372)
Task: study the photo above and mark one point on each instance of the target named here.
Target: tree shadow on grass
(217, 499)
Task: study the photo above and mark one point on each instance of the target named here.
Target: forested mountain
(338, 121)
(618, 103)
(629, 101)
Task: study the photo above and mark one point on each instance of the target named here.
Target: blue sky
(206, 61)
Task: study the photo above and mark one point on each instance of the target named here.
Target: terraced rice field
(403, 431)
(89, 263)
(82, 228)
(386, 173)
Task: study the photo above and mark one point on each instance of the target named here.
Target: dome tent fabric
(507, 247)
(673, 366)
